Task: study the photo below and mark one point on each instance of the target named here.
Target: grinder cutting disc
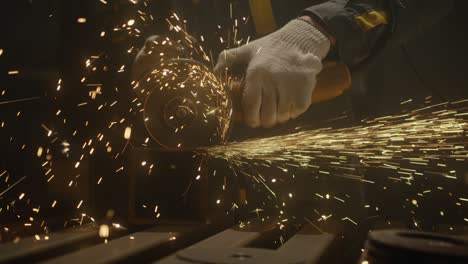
(186, 106)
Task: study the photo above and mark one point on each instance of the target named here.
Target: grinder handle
(332, 81)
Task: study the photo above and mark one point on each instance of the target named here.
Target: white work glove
(281, 72)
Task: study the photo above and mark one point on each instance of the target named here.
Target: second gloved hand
(280, 73)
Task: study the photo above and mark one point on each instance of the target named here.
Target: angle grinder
(186, 106)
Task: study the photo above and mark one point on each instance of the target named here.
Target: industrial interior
(234, 131)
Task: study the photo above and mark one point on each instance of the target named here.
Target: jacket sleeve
(359, 25)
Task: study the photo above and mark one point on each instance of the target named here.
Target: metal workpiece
(407, 246)
(141, 246)
(233, 246)
(254, 241)
(39, 248)
(179, 243)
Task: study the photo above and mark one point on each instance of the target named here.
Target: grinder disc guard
(186, 106)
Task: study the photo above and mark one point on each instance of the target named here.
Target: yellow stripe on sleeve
(371, 19)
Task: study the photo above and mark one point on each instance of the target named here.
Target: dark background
(44, 42)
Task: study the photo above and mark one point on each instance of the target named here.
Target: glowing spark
(407, 101)
(350, 220)
(13, 72)
(39, 152)
(127, 133)
(118, 226)
(19, 100)
(407, 144)
(103, 231)
(13, 185)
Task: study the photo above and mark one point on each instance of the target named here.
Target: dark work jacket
(359, 25)
(415, 50)
(354, 23)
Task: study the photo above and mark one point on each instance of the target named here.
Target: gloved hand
(280, 73)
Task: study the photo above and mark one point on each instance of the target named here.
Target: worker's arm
(280, 69)
(358, 25)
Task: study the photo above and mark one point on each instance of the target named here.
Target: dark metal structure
(195, 243)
